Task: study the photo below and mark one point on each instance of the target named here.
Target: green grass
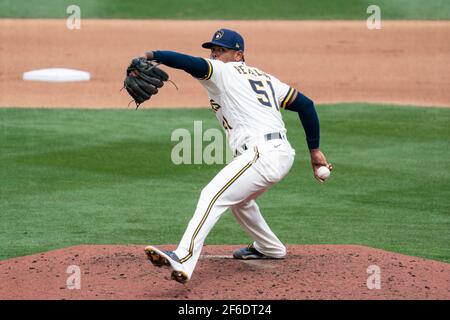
(69, 177)
(230, 9)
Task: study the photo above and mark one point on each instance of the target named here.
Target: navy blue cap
(226, 38)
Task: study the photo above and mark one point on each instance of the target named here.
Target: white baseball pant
(237, 186)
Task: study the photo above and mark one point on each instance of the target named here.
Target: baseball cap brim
(210, 44)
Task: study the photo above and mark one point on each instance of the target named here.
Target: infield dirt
(308, 272)
(406, 62)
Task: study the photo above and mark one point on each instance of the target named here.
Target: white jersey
(246, 100)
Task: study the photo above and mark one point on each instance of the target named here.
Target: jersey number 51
(263, 91)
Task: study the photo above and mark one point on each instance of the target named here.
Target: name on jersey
(251, 71)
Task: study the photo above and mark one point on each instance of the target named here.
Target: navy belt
(273, 135)
(267, 137)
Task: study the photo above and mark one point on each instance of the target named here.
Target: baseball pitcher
(248, 103)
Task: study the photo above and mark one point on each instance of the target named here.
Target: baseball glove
(143, 79)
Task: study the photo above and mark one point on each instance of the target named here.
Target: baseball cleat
(249, 253)
(157, 259)
(179, 276)
(160, 258)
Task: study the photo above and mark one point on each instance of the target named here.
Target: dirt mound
(406, 62)
(308, 272)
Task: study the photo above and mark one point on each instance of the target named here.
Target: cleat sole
(179, 276)
(156, 259)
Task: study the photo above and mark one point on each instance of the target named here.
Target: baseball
(323, 172)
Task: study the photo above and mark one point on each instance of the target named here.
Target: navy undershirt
(309, 119)
(198, 68)
(195, 66)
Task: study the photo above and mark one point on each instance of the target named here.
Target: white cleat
(160, 258)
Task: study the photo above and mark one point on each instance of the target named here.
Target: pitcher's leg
(249, 216)
(233, 184)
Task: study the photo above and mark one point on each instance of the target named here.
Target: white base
(57, 75)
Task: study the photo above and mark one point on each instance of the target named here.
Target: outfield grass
(230, 9)
(69, 177)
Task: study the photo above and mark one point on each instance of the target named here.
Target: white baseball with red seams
(323, 172)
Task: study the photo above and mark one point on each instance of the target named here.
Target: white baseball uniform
(247, 102)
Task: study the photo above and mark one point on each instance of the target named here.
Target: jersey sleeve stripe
(291, 91)
(210, 71)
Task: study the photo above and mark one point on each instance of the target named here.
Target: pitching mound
(308, 272)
